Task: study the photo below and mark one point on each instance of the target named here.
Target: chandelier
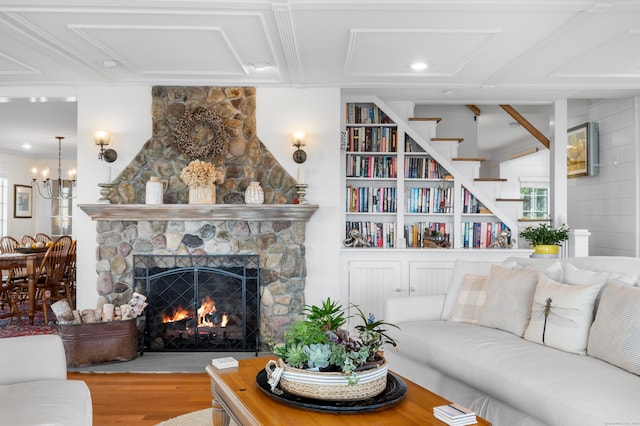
(46, 189)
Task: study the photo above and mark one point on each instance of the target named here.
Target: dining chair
(8, 244)
(70, 276)
(27, 239)
(41, 237)
(50, 274)
(9, 296)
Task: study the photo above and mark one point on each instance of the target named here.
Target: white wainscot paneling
(427, 277)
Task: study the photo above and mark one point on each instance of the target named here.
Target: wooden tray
(28, 250)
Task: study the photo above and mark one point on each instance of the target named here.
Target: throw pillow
(470, 299)
(460, 269)
(561, 315)
(615, 334)
(509, 298)
(573, 275)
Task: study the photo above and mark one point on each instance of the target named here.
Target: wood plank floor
(144, 399)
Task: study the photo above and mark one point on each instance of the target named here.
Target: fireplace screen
(200, 302)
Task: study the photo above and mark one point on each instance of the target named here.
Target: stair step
(490, 180)
(447, 139)
(533, 220)
(468, 159)
(520, 200)
(436, 119)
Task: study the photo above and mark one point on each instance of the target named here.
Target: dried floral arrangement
(201, 173)
(183, 131)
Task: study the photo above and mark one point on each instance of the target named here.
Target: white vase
(202, 194)
(154, 190)
(254, 194)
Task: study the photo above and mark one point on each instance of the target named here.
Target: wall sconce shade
(299, 156)
(102, 138)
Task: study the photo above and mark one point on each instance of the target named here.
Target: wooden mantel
(254, 213)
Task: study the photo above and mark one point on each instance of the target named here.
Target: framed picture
(582, 150)
(22, 201)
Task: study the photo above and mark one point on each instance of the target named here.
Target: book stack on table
(455, 415)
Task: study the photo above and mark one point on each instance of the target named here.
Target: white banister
(579, 243)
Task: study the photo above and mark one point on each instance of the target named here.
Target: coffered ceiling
(477, 51)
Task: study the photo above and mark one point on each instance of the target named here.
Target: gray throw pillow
(509, 296)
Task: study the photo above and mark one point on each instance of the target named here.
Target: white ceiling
(488, 51)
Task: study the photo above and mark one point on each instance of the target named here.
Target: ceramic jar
(254, 194)
(154, 190)
(202, 194)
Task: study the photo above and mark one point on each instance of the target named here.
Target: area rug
(16, 330)
(196, 418)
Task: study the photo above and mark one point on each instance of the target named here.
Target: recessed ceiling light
(450, 92)
(108, 63)
(260, 66)
(26, 146)
(419, 66)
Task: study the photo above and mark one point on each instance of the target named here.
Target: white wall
(606, 204)
(457, 122)
(18, 172)
(126, 112)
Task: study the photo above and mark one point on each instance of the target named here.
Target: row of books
(423, 168)
(371, 199)
(455, 415)
(377, 234)
(470, 203)
(373, 139)
(415, 234)
(429, 200)
(383, 167)
(366, 114)
(481, 234)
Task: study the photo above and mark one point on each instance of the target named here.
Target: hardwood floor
(144, 399)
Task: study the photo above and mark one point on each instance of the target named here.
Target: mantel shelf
(255, 213)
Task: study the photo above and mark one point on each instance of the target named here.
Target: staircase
(498, 195)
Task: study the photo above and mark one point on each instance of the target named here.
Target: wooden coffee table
(236, 395)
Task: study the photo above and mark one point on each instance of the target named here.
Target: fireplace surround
(275, 233)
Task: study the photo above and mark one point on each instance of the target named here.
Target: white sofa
(34, 389)
(511, 379)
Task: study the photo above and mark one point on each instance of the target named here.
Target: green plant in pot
(545, 239)
(318, 344)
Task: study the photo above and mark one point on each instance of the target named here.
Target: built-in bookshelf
(398, 195)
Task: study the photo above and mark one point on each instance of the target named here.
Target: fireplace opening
(200, 302)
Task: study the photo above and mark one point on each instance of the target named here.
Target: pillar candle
(106, 175)
(300, 176)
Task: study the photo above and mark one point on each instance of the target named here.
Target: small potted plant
(545, 239)
(319, 359)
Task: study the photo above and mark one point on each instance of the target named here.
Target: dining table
(30, 262)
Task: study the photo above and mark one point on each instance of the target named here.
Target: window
(535, 192)
(4, 205)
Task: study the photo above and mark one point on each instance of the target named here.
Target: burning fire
(205, 314)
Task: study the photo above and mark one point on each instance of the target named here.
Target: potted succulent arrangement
(320, 359)
(545, 239)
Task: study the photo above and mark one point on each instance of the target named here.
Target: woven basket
(333, 386)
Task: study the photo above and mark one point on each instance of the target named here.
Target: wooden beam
(474, 109)
(528, 126)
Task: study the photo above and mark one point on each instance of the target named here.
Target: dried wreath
(183, 131)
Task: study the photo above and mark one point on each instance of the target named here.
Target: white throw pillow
(460, 269)
(509, 299)
(573, 275)
(570, 313)
(471, 299)
(615, 334)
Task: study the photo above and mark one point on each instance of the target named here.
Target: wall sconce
(103, 138)
(299, 156)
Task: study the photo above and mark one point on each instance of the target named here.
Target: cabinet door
(429, 277)
(372, 283)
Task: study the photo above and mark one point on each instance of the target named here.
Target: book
(455, 414)
(226, 362)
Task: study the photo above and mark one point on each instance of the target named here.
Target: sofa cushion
(471, 299)
(615, 334)
(564, 322)
(46, 402)
(509, 299)
(561, 388)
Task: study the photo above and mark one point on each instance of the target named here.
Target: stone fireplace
(275, 231)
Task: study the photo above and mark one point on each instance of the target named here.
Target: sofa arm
(29, 358)
(414, 308)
